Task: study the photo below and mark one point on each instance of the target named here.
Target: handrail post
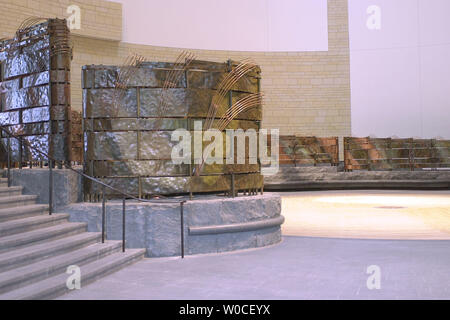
(233, 191)
(9, 161)
(50, 186)
(123, 224)
(182, 228)
(103, 214)
(20, 152)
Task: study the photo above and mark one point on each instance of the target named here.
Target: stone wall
(67, 186)
(329, 178)
(306, 93)
(232, 224)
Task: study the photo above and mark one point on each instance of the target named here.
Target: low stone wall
(67, 186)
(317, 178)
(211, 223)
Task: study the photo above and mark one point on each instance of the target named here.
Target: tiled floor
(297, 268)
(368, 214)
(313, 267)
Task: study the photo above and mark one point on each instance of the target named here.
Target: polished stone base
(211, 223)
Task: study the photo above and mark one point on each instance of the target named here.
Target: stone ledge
(237, 227)
(358, 184)
(157, 227)
(67, 186)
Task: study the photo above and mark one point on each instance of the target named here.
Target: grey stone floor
(297, 268)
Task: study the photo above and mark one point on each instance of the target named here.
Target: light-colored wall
(400, 72)
(99, 19)
(250, 25)
(306, 93)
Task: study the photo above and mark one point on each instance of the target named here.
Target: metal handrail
(125, 195)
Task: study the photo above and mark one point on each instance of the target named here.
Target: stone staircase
(36, 248)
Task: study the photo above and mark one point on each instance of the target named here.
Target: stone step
(38, 271)
(11, 191)
(31, 223)
(30, 254)
(3, 182)
(20, 212)
(55, 286)
(17, 201)
(62, 230)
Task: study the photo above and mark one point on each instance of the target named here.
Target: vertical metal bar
(83, 155)
(20, 152)
(9, 161)
(103, 214)
(50, 186)
(232, 185)
(182, 228)
(123, 224)
(189, 129)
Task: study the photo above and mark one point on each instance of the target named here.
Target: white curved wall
(400, 72)
(232, 25)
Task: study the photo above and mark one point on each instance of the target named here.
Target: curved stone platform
(212, 223)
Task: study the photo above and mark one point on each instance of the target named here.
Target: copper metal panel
(99, 103)
(9, 118)
(25, 63)
(128, 133)
(392, 154)
(216, 183)
(156, 145)
(26, 97)
(31, 57)
(139, 168)
(165, 185)
(126, 185)
(154, 78)
(112, 146)
(36, 115)
(176, 102)
(308, 150)
(35, 79)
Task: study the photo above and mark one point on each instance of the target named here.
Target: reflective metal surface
(128, 126)
(35, 89)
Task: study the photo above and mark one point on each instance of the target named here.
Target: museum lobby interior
(224, 150)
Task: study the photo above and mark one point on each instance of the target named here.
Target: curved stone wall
(212, 224)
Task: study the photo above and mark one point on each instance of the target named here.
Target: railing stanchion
(182, 228)
(9, 161)
(103, 214)
(50, 186)
(123, 224)
(232, 185)
(20, 152)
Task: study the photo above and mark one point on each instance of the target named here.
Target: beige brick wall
(99, 19)
(306, 93)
